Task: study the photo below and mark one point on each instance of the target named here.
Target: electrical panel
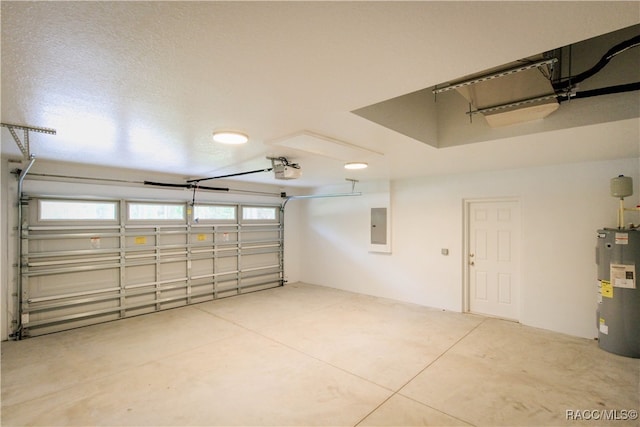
(378, 226)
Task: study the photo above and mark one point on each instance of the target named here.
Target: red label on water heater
(622, 238)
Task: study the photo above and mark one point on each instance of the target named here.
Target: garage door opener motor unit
(282, 169)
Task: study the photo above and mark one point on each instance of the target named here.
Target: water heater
(618, 311)
(618, 259)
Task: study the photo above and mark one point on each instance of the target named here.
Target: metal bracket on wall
(511, 104)
(24, 145)
(353, 184)
(495, 75)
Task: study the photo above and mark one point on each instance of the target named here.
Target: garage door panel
(173, 256)
(43, 321)
(73, 283)
(202, 236)
(252, 280)
(256, 287)
(228, 292)
(249, 235)
(55, 243)
(226, 264)
(226, 235)
(141, 297)
(174, 298)
(143, 239)
(65, 264)
(52, 327)
(259, 262)
(201, 292)
(139, 274)
(172, 237)
(146, 308)
(80, 274)
(86, 308)
(202, 267)
(172, 270)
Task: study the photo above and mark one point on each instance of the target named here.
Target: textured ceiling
(142, 85)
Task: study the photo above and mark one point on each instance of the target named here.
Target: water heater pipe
(621, 214)
(636, 209)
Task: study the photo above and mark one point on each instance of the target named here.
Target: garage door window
(155, 212)
(71, 210)
(214, 213)
(266, 213)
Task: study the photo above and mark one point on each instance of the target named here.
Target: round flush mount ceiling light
(355, 165)
(230, 137)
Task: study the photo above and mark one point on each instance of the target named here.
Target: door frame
(466, 218)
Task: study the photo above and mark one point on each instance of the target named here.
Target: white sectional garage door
(90, 261)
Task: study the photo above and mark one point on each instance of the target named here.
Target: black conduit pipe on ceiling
(617, 49)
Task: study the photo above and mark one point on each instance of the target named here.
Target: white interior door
(493, 258)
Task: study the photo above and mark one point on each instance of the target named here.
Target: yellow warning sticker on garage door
(141, 240)
(606, 289)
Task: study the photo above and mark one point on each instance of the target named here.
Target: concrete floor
(308, 355)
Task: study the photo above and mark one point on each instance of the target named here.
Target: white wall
(292, 242)
(562, 207)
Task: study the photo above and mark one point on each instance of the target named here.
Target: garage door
(90, 261)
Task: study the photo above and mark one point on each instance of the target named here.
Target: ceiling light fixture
(230, 137)
(355, 165)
